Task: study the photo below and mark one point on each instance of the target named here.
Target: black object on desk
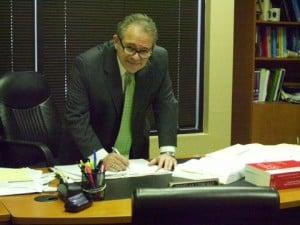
(123, 187)
(216, 205)
(66, 190)
(77, 203)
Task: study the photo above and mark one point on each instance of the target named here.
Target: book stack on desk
(280, 175)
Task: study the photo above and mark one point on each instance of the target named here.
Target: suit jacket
(95, 101)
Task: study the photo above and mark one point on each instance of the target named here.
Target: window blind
(17, 35)
(67, 28)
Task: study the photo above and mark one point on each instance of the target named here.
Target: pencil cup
(95, 194)
(94, 190)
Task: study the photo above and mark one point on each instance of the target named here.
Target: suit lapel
(142, 81)
(113, 77)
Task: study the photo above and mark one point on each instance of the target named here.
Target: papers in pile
(228, 164)
(23, 181)
(136, 168)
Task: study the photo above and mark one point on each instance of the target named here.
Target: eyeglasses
(144, 54)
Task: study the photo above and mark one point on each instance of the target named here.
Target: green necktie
(124, 139)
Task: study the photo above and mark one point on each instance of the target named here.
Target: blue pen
(95, 159)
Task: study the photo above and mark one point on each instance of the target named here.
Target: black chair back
(218, 205)
(27, 115)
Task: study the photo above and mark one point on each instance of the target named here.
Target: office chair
(219, 205)
(29, 126)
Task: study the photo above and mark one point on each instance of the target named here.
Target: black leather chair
(218, 205)
(30, 129)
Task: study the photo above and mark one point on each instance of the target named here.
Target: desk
(289, 198)
(25, 210)
(4, 215)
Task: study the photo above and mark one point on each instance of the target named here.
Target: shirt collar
(121, 68)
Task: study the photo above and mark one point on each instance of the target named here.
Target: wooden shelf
(274, 104)
(277, 59)
(292, 85)
(279, 23)
(275, 122)
(262, 122)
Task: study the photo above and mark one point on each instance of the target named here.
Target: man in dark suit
(95, 96)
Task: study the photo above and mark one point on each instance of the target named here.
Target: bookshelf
(262, 122)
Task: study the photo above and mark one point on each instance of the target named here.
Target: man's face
(137, 41)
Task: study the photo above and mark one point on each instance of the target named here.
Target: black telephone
(77, 203)
(75, 200)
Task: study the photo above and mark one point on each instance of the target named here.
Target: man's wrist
(169, 150)
(169, 153)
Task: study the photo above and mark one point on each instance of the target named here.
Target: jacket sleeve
(77, 113)
(165, 106)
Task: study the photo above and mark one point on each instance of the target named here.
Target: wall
(218, 62)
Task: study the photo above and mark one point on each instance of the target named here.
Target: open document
(23, 181)
(136, 168)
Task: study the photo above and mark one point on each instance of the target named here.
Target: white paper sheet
(136, 168)
(228, 164)
(23, 181)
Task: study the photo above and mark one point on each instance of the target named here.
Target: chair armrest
(42, 147)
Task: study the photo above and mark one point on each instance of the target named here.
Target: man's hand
(164, 161)
(115, 162)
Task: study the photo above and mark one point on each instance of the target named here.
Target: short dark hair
(140, 19)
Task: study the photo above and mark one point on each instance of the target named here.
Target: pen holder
(95, 194)
(94, 191)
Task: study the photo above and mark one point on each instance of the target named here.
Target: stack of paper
(23, 180)
(228, 164)
(226, 170)
(69, 173)
(136, 168)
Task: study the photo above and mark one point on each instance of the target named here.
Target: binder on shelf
(275, 84)
(263, 84)
(256, 85)
(279, 85)
(296, 9)
(286, 11)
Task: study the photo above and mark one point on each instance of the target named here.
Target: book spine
(286, 10)
(284, 181)
(296, 9)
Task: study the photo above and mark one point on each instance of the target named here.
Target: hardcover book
(280, 175)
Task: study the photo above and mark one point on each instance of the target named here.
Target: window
(68, 28)
(16, 35)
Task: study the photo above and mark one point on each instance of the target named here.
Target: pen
(99, 164)
(102, 176)
(95, 158)
(88, 172)
(81, 163)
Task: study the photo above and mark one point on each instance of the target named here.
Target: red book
(280, 175)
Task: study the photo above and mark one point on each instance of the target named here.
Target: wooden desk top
(25, 210)
(4, 214)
